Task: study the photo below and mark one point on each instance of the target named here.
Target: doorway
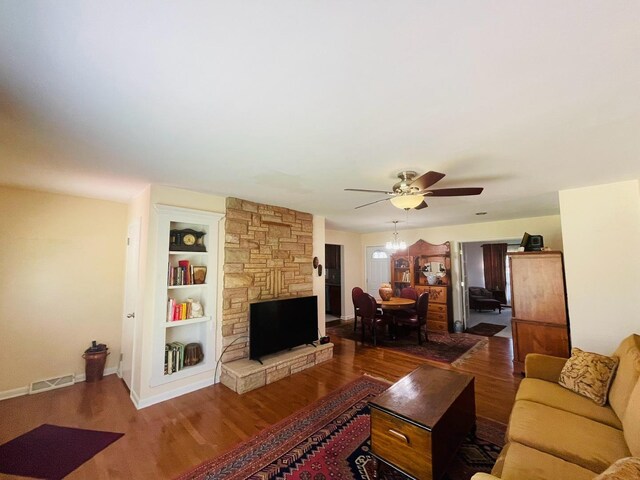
(333, 282)
(378, 269)
(474, 275)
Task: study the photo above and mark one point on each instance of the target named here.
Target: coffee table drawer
(404, 445)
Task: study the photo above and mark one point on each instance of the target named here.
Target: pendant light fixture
(395, 244)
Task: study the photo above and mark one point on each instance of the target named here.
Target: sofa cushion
(631, 421)
(623, 469)
(522, 462)
(589, 444)
(554, 395)
(588, 374)
(627, 375)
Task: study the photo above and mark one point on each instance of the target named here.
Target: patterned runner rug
(330, 440)
(441, 347)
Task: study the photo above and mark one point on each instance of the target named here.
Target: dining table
(396, 303)
(393, 305)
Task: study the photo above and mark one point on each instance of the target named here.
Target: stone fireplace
(268, 253)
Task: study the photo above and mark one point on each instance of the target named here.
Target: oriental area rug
(441, 347)
(329, 439)
(52, 452)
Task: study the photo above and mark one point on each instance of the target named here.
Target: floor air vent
(51, 384)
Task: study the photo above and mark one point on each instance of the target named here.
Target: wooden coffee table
(419, 422)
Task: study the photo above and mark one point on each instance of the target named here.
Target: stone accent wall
(268, 252)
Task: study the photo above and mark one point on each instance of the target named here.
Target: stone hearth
(244, 375)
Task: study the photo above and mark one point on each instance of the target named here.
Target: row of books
(183, 274)
(180, 310)
(173, 357)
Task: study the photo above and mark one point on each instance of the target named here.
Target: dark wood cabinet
(540, 320)
(335, 300)
(409, 269)
(332, 256)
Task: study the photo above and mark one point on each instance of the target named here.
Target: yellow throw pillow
(624, 469)
(589, 374)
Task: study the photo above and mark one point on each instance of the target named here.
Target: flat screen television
(276, 325)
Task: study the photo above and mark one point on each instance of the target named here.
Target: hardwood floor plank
(167, 439)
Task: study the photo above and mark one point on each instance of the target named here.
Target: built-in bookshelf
(186, 309)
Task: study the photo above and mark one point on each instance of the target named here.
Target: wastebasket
(95, 359)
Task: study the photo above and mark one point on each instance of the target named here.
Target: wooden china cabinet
(540, 321)
(409, 268)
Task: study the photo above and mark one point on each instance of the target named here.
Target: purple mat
(52, 452)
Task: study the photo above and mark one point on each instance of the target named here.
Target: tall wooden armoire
(540, 320)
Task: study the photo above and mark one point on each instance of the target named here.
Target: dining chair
(408, 292)
(369, 316)
(419, 319)
(355, 292)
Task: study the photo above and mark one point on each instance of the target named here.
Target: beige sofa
(554, 433)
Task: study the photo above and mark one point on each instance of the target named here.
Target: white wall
(318, 281)
(62, 267)
(548, 226)
(475, 264)
(352, 265)
(601, 232)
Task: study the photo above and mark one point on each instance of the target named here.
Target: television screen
(276, 325)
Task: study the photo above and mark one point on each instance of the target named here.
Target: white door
(378, 269)
(130, 295)
(464, 289)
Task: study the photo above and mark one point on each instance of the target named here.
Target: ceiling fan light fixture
(407, 201)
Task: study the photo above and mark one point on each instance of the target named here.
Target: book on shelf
(173, 357)
(179, 310)
(183, 274)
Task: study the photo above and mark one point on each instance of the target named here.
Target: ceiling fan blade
(453, 192)
(425, 181)
(421, 206)
(364, 190)
(371, 203)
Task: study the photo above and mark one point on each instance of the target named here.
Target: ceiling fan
(410, 191)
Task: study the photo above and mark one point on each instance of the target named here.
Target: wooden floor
(167, 439)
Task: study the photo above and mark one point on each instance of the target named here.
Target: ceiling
(290, 102)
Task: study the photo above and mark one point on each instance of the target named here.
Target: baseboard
(18, 392)
(161, 397)
(81, 377)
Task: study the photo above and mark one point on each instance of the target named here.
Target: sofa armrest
(544, 367)
(484, 476)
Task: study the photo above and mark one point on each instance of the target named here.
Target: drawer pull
(399, 435)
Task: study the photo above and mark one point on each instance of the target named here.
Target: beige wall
(548, 226)
(318, 281)
(352, 265)
(62, 268)
(601, 232)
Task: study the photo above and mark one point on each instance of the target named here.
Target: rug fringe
(381, 379)
(478, 345)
